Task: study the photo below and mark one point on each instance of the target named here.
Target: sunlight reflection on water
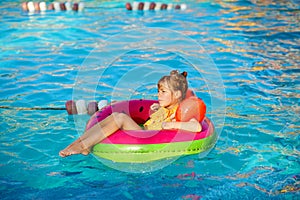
(255, 45)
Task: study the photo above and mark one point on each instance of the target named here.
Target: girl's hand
(154, 107)
(172, 117)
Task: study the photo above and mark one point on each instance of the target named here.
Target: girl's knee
(120, 119)
(119, 116)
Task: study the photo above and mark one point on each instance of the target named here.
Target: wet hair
(175, 81)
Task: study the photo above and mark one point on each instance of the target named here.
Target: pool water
(248, 76)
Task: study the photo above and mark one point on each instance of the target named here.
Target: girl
(171, 91)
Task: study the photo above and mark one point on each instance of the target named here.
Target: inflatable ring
(148, 145)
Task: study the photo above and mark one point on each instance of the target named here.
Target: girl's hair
(175, 81)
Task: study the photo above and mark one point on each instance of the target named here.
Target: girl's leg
(77, 144)
(99, 132)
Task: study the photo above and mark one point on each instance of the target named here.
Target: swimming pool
(254, 46)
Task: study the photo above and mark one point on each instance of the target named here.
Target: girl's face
(166, 98)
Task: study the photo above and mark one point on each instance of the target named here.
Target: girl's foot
(67, 152)
(75, 148)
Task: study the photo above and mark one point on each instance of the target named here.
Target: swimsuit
(160, 116)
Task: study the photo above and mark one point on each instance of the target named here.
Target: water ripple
(255, 45)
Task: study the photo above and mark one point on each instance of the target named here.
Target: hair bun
(176, 73)
(184, 74)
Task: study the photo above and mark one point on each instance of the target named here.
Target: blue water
(242, 58)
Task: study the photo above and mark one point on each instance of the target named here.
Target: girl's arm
(193, 125)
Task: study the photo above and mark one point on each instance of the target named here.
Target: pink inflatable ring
(149, 145)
